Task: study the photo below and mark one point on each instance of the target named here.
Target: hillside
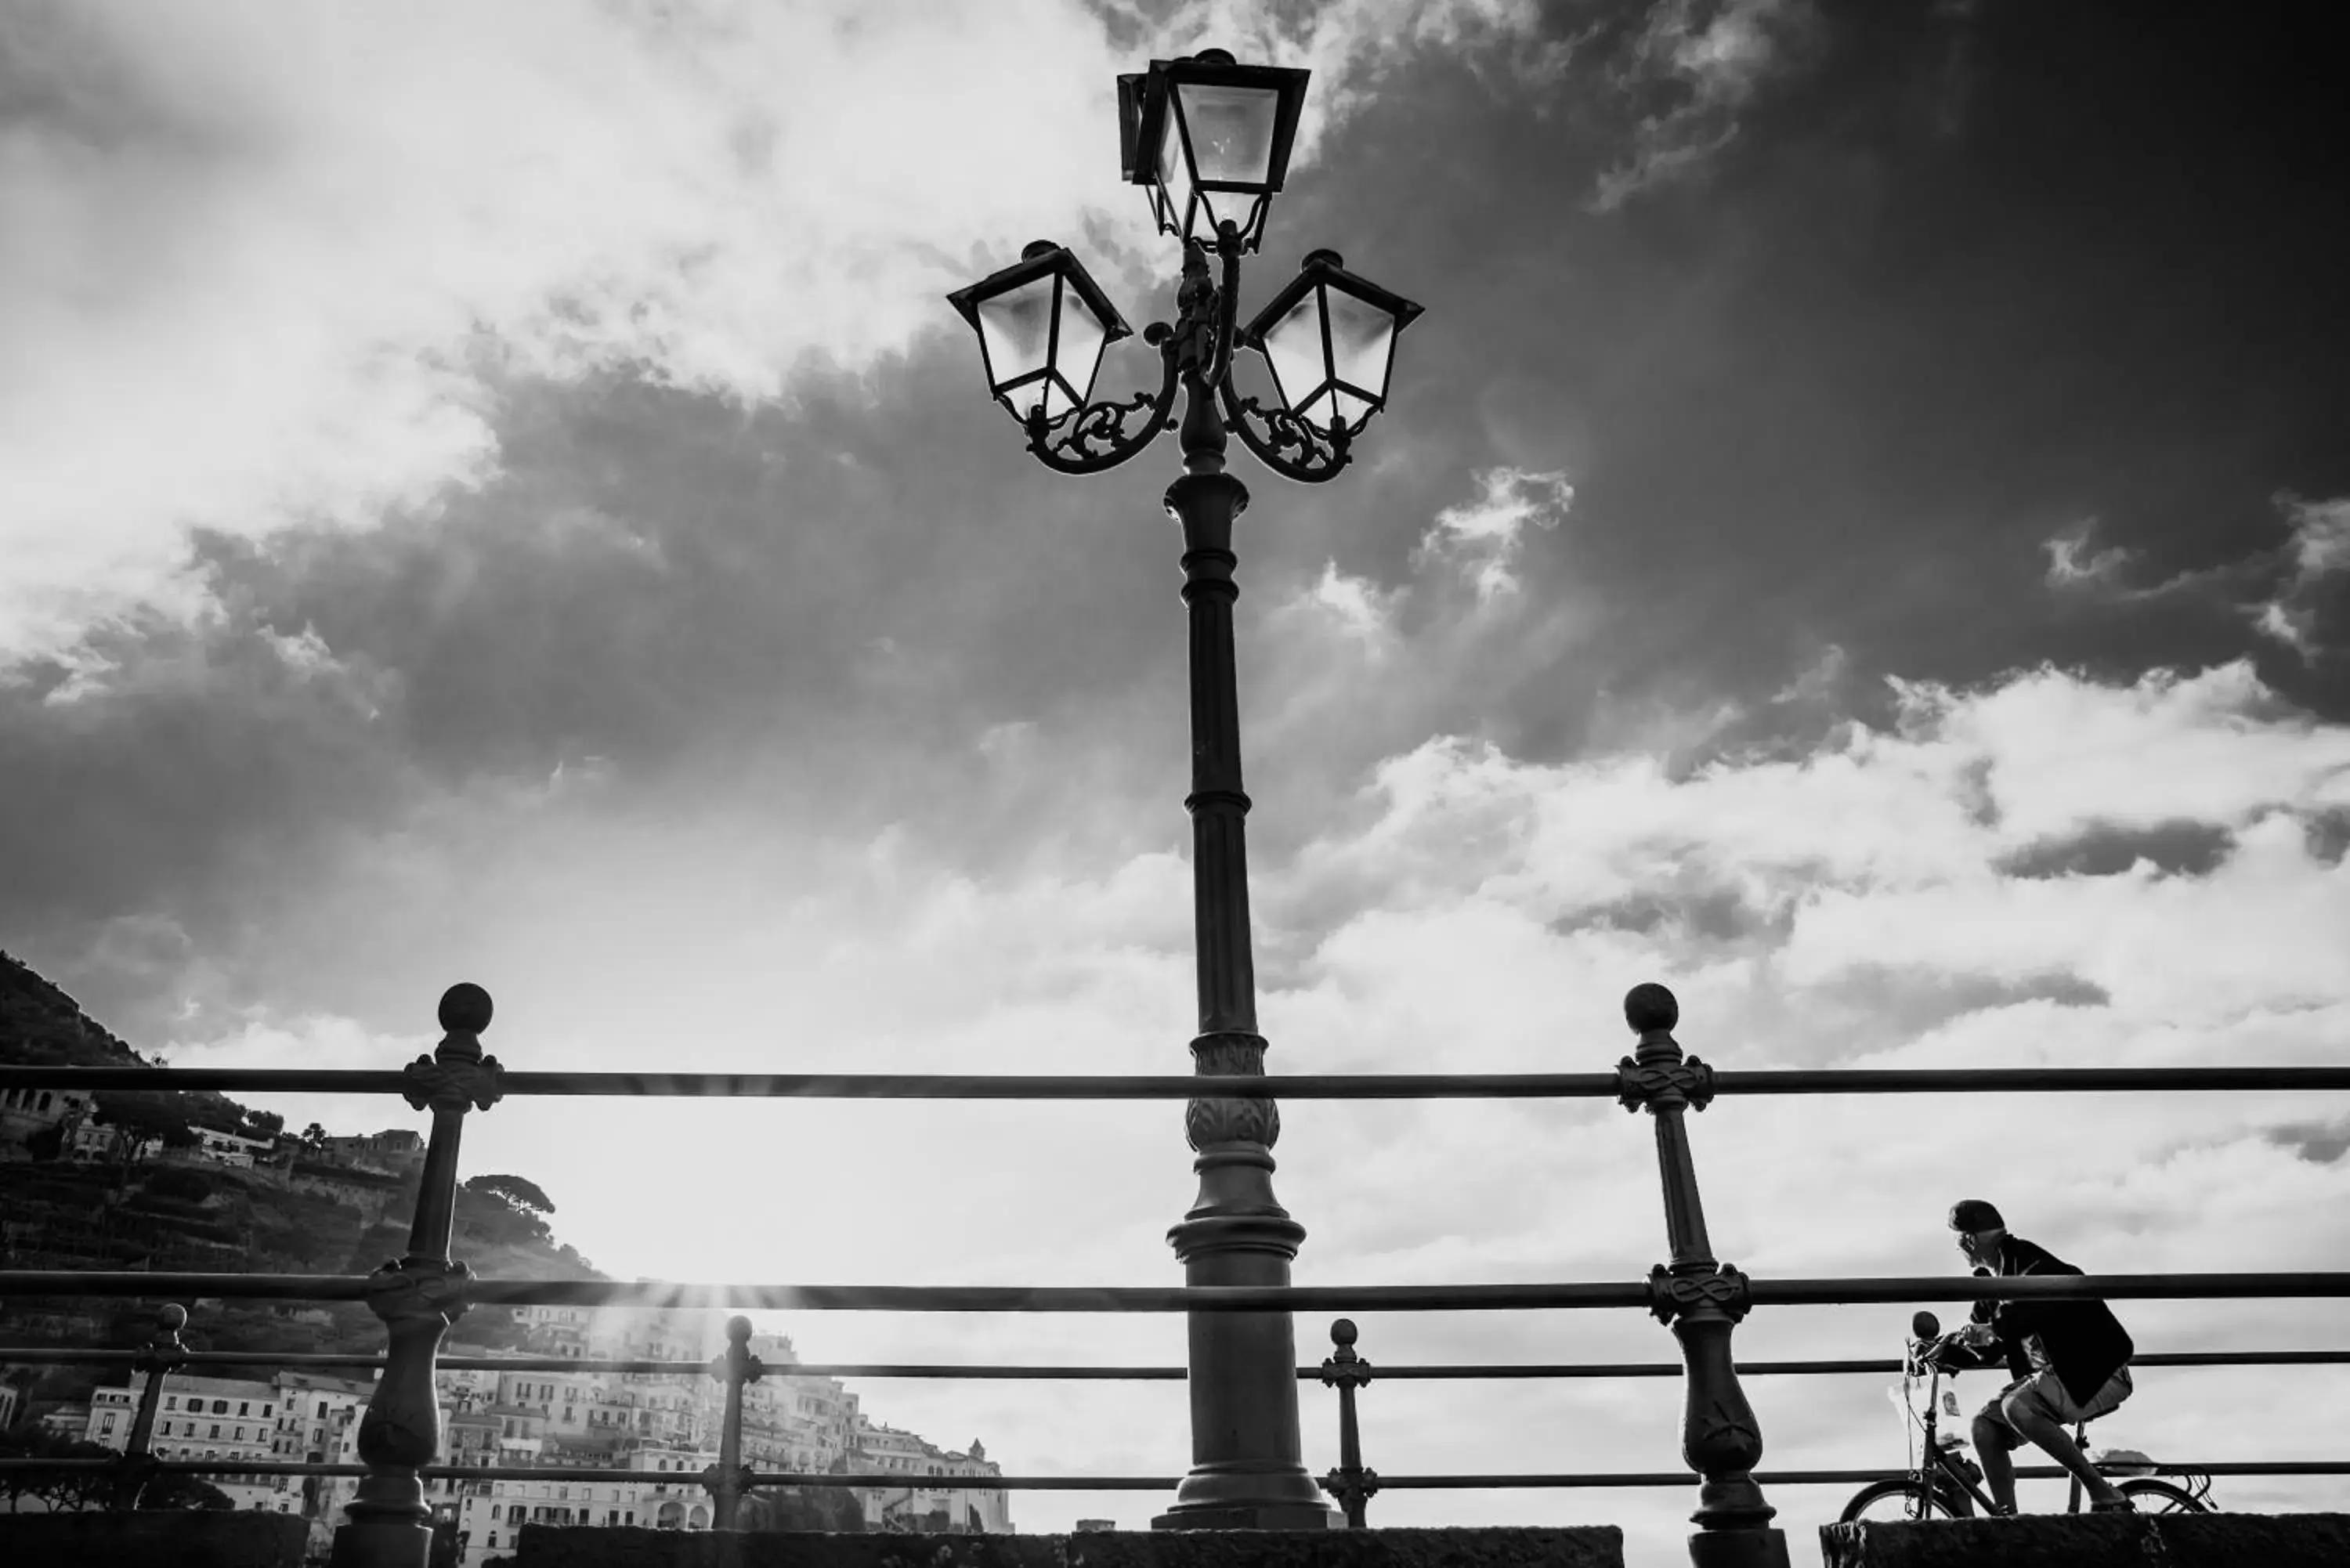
(163, 1204)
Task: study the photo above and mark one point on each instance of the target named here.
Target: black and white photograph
(1198, 784)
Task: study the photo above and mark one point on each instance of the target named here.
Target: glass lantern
(1329, 338)
(1043, 324)
(1209, 140)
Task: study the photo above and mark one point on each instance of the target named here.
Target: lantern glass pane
(1232, 132)
(1016, 328)
(1021, 399)
(1082, 336)
(1175, 178)
(1056, 398)
(1345, 408)
(1293, 347)
(1361, 337)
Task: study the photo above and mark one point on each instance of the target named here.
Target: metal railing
(1700, 1299)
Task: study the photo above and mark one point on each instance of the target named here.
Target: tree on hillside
(267, 1123)
(830, 1510)
(520, 1192)
(176, 1489)
(59, 1490)
(142, 1118)
(314, 1136)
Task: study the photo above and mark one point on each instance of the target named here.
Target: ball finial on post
(171, 1317)
(1650, 1007)
(464, 1009)
(1342, 1332)
(738, 1330)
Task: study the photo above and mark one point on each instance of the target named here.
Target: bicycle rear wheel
(1904, 1497)
(2149, 1496)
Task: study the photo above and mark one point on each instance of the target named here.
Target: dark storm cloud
(2172, 849)
(660, 592)
(1844, 389)
(2320, 1143)
(183, 749)
(1958, 280)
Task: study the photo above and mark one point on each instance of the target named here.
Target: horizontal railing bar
(46, 1356)
(1846, 1477)
(1184, 1086)
(893, 1478)
(138, 1284)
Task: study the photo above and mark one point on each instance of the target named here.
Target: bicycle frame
(1940, 1464)
(1936, 1456)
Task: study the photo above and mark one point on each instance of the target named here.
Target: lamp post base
(1252, 1516)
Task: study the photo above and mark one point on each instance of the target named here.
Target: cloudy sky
(498, 493)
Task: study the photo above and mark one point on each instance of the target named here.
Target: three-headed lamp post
(1209, 141)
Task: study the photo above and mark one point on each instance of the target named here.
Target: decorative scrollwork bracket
(1320, 455)
(1095, 439)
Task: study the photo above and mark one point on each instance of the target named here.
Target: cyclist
(2070, 1358)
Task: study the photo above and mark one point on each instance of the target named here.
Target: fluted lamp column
(1208, 140)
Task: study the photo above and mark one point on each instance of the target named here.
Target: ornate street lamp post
(1209, 141)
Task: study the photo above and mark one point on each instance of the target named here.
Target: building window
(215, 1431)
(220, 1407)
(106, 1426)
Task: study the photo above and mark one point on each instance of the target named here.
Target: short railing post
(1350, 1483)
(730, 1478)
(418, 1296)
(1702, 1299)
(157, 1358)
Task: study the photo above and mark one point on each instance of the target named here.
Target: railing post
(418, 1296)
(157, 1357)
(1344, 1370)
(1702, 1299)
(730, 1478)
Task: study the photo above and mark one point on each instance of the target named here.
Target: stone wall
(1580, 1546)
(2095, 1541)
(161, 1538)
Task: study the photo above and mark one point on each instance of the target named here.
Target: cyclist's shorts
(2044, 1392)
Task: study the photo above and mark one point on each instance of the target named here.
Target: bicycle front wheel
(1904, 1497)
(2160, 1497)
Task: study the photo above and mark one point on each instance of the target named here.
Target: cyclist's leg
(1994, 1440)
(2038, 1409)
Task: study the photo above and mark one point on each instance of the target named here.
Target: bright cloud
(1861, 904)
(1714, 58)
(2318, 550)
(2072, 562)
(259, 268)
(1484, 537)
(2286, 591)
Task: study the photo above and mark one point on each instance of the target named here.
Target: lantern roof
(1037, 259)
(1326, 266)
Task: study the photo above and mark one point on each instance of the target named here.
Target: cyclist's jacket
(2085, 1342)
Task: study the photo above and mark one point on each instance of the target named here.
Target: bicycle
(1946, 1483)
